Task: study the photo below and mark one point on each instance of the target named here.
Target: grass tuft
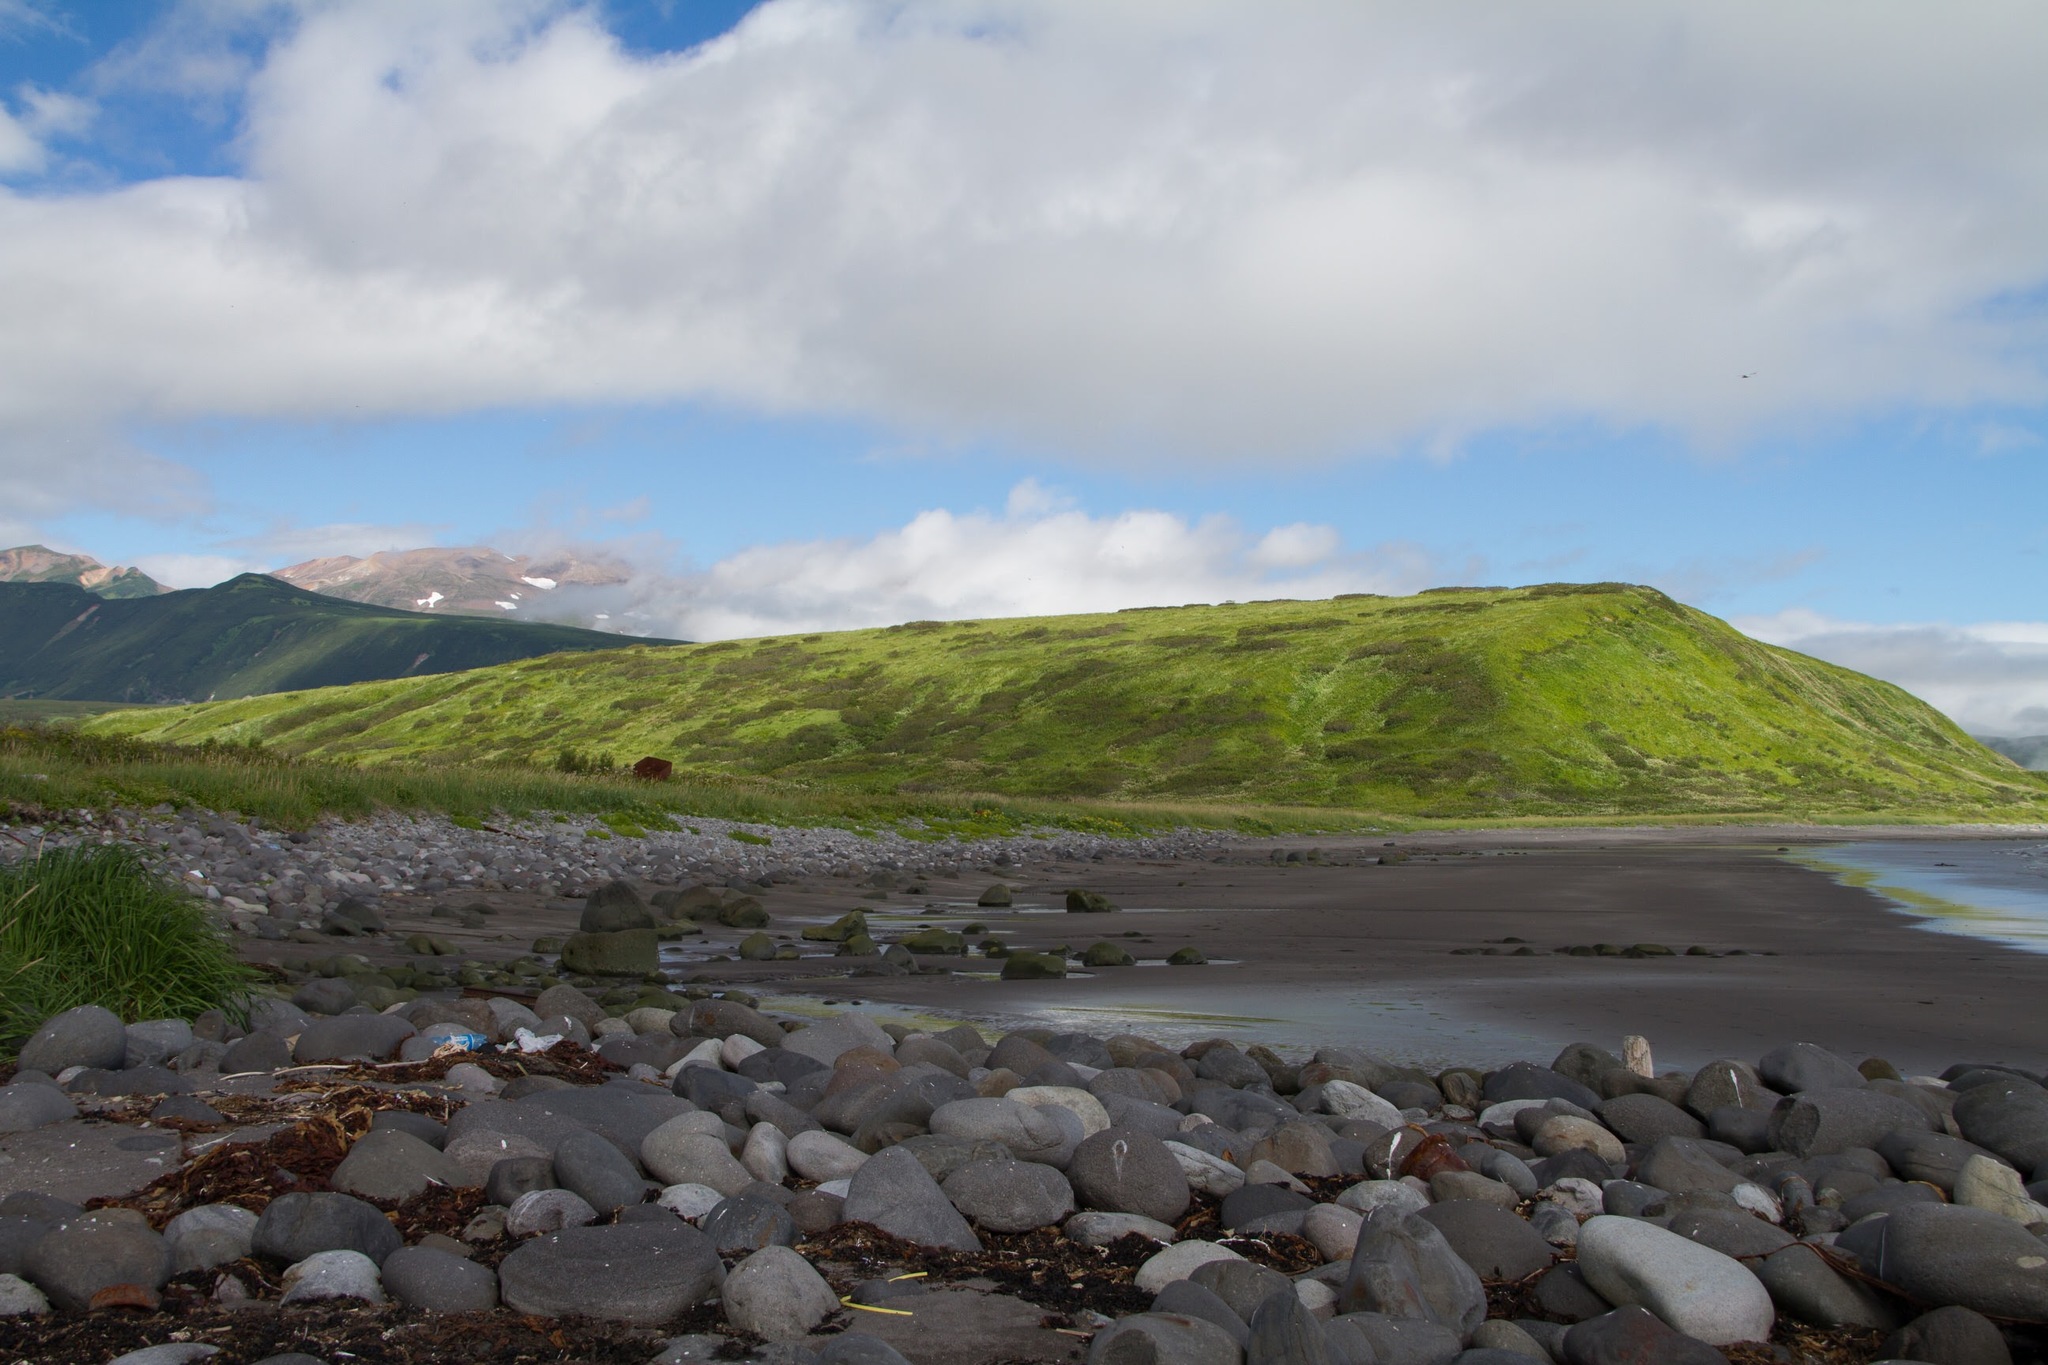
(93, 926)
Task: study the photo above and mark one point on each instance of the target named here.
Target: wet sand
(1339, 951)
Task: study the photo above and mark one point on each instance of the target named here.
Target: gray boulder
(332, 1275)
(1163, 1339)
(209, 1235)
(1818, 1122)
(1493, 1241)
(388, 1164)
(1122, 1170)
(1384, 1340)
(747, 1223)
(1934, 1158)
(1972, 1258)
(1948, 1336)
(1404, 1268)
(152, 1042)
(893, 1191)
(1006, 1195)
(1807, 1066)
(27, 1105)
(1634, 1336)
(86, 1036)
(92, 1252)
(2011, 1120)
(296, 1226)
(632, 1272)
(1696, 1289)
(1807, 1288)
(1282, 1332)
(776, 1295)
(612, 907)
(1646, 1118)
(351, 1038)
(439, 1281)
(590, 1166)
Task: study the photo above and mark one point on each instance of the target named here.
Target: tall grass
(55, 770)
(92, 926)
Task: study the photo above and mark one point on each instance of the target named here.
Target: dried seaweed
(566, 1060)
(1041, 1267)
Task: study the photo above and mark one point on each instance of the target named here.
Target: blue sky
(832, 313)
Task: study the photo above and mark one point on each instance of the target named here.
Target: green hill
(252, 634)
(1554, 700)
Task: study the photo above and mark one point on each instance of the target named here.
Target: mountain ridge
(41, 564)
(249, 635)
(473, 580)
(1560, 699)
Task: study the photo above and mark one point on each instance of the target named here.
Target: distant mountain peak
(41, 564)
(470, 580)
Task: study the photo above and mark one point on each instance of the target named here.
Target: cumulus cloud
(1992, 679)
(1210, 230)
(1035, 557)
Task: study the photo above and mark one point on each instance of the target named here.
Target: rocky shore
(507, 1153)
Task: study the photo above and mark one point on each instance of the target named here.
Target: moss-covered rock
(997, 897)
(860, 945)
(839, 930)
(627, 952)
(1083, 902)
(1189, 956)
(743, 912)
(1106, 955)
(757, 947)
(935, 943)
(1028, 966)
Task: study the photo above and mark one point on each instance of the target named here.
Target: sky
(828, 313)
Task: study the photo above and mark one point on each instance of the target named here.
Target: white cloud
(1212, 230)
(1033, 559)
(1991, 678)
(177, 570)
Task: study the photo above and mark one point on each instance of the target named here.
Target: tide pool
(1992, 889)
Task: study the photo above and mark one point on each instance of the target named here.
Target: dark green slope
(250, 635)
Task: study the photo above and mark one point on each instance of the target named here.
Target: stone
(858, 1348)
(208, 1235)
(766, 1154)
(1333, 1230)
(2012, 1122)
(820, 1156)
(1799, 1067)
(169, 1353)
(350, 1038)
(1096, 1229)
(1163, 1339)
(1643, 1119)
(680, 1153)
(626, 952)
(258, 1050)
(1565, 1133)
(1816, 1122)
(439, 1281)
(1403, 1267)
(1031, 1134)
(1634, 1336)
(1948, 1336)
(89, 1036)
(893, 1191)
(1284, 1333)
(296, 1226)
(517, 1175)
(1084, 1106)
(1193, 1300)
(28, 1105)
(690, 1202)
(1987, 1183)
(391, 1165)
(1807, 1288)
(996, 897)
(153, 1042)
(1471, 1187)
(547, 1210)
(332, 1275)
(1494, 1242)
(1368, 1195)
(1348, 1100)
(1732, 1234)
(1179, 1261)
(746, 1223)
(1522, 1081)
(1695, 1289)
(613, 907)
(1941, 1254)
(1385, 1340)
(1499, 1334)
(640, 1272)
(1680, 1166)
(1725, 1084)
(590, 1166)
(1080, 902)
(1241, 1285)
(1024, 966)
(1934, 1158)
(1106, 954)
(91, 1253)
(1205, 1171)
(1005, 1195)
(1121, 1170)
(776, 1295)
(325, 995)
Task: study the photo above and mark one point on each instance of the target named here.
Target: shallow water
(1991, 889)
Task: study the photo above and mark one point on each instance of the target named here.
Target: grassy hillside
(1556, 700)
(252, 634)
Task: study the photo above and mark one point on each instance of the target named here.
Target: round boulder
(1121, 1170)
(87, 1036)
(631, 1272)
